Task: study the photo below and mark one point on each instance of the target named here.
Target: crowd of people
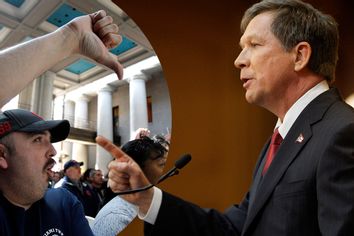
(90, 187)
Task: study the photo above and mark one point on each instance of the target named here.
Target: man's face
(30, 164)
(153, 167)
(97, 178)
(267, 69)
(73, 172)
(56, 177)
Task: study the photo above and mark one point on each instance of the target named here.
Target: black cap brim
(59, 129)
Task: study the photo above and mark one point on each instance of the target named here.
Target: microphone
(179, 164)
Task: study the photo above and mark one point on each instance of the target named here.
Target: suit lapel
(295, 140)
(258, 175)
(286, 154)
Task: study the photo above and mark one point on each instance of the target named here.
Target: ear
(303, 53)
(3, 157)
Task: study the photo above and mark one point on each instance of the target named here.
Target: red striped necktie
(273, 148)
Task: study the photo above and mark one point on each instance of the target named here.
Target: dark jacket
(57, 213)
(308, 189)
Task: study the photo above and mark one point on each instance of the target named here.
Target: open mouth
(245, 81)
(48, 169)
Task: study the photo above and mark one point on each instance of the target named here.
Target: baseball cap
(71, 163)
(20, 120)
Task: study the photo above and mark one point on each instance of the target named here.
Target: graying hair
(295, 22)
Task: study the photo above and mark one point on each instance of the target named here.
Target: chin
(38, 194)
(249, 99)
(153, 180)
(253, 98)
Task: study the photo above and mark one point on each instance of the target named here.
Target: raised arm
(90, 35)
(171, 215)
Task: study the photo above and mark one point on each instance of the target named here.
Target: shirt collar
(293, 113)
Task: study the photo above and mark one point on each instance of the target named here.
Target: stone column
(25, 97)
(42, 95)
(79, 151)
(137, 103)
(81, 112)
(104, 125)
(69, 111)
(67, 146)
(58, 115)
(58, 111)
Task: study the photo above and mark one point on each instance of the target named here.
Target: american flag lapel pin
(300, 138)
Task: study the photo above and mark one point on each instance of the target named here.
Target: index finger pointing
(115, 151)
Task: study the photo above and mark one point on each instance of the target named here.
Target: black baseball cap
(71, 163)
(20, 120)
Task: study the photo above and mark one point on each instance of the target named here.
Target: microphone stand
(180, 163)
(136, 190)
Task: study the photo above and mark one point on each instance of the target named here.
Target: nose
(52, 152)
(241, 61)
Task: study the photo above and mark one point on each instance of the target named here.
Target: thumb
(115, 151)
(112, 62)
(111, 40)
(119, 70)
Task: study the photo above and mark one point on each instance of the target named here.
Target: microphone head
(180, 163)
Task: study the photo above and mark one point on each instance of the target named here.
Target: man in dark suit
(303, 182)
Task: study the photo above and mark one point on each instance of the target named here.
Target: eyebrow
(45, 132)
(157, 156)
(248, 38)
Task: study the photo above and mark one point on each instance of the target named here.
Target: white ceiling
(18, 24)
